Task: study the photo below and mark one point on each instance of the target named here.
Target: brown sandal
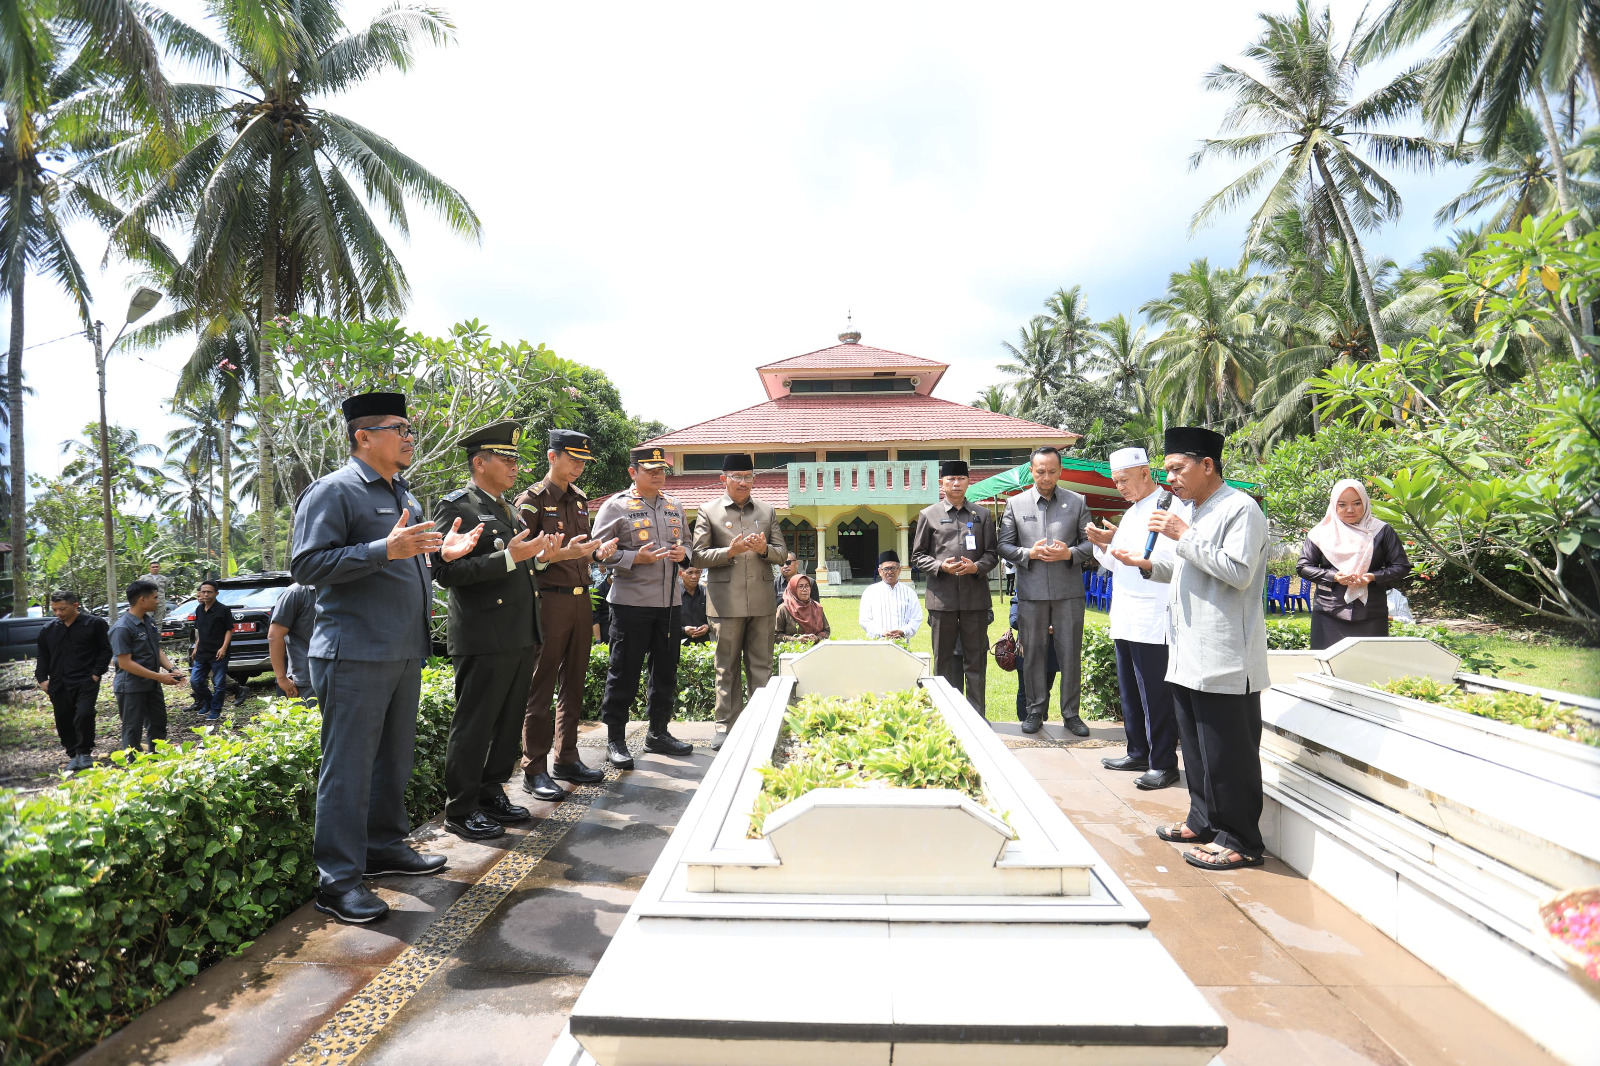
(1215, 857)
(1173, 834)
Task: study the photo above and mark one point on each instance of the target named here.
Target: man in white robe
(889, 609)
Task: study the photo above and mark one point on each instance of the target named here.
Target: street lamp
(143, 301)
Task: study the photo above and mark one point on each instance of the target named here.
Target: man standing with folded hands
(954, 545)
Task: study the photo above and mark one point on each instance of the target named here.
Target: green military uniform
(494, 637)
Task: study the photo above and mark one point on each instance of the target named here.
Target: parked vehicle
(19, 637)
(179, 620)
(252, 597)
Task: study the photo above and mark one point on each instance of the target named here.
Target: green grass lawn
(1000, 690)
(1529, 657)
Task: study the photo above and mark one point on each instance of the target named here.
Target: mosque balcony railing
(880, 481)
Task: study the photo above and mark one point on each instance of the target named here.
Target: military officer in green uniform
(494, 636)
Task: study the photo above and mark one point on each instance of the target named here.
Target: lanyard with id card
(972, 540)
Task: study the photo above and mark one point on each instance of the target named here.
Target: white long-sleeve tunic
(885, 607)
(1139, 603)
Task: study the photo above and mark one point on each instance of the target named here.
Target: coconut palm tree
(189, 487)
(128, 473)
(1207, 361)
(211, 436)
(1122, 354)
(268, 186)
(71, 73)
(1036, 364)
(1298, 121)
(1071, 328)
(1519, 180)
(994, 398)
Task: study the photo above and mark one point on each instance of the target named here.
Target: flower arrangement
(1571, 921)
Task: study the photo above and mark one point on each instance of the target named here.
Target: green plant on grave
(1420, 688)
(896, 740)
(1523, 709)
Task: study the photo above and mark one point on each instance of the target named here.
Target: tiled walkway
(1297, 977)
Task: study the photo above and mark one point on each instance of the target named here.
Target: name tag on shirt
(386, 510)
(972, 543)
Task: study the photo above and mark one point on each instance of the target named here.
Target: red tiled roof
(857, 418)
(846, 356)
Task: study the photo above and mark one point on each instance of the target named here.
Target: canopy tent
(1020, 477)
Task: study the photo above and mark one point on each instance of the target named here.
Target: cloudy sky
(677, 193)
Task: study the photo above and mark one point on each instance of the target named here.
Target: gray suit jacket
(1029, 518)
(738, 586)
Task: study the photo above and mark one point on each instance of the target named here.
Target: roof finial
(851, 335)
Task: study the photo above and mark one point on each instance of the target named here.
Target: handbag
(1005, 652)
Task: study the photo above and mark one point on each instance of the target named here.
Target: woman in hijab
(799, 616)
(1353, 559)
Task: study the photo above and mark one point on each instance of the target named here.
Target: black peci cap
(738, 461)
(368, 404)
(1194, 440)
(953, 468)
(649, 458)
(890, 556)
(501, 438)
(572, 442)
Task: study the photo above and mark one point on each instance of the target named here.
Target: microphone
(1163, 502)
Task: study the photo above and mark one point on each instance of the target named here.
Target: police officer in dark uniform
(653, 538)
(555, 505)
(494, 635)
(358, 541)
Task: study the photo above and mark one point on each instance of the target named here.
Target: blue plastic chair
(1302, 600)
(1280, 594)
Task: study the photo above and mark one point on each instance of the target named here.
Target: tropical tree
(129, 473)
(1298, 121)
(1071, 328)
(1207, 360)
(189, 491)
(1036, 364)
(1122, 354)
(1496, 56)
(994, 398)
(73, 74)
(1519, 180)
(267, 190)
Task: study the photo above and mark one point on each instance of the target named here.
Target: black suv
(252, 597)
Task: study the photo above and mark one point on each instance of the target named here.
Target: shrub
(1101, 698)
(697, 683)
(1514, 708)
(123, 883)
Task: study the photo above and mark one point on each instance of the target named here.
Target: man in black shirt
(74, 652)
(691, 621)
(213, 632)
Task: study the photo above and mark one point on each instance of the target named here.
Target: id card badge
(972, 540)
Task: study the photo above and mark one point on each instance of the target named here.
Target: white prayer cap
(1123, 458)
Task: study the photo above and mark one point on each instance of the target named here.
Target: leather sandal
(1215, 857)
(1173, 834)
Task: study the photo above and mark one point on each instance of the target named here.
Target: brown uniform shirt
(941, 534)
(548, 509)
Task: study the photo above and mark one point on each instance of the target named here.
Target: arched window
(802, 540)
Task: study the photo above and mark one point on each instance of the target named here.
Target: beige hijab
(1348, 547)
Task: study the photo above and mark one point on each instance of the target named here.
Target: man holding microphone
(1217, 635)
(1139, 622)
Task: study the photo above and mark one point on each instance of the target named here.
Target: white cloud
(677, 193)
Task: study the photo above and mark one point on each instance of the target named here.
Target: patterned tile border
(345, 1035)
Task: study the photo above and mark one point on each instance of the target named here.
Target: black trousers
(971, 663)
(637, 632)
(1221, 733)
(1148, 716)
(144, 717)
(486, 731)
(74, 707)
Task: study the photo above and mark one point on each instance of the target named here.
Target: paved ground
(480, 966)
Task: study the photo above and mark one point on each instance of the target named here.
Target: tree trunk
(225, 462)
(1558, 160)
(19, 467)
(266, 371)
(1369, 295)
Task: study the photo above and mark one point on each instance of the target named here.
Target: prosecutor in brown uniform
(956, 546)
(493, 634)
(556, 506)
(736, 540)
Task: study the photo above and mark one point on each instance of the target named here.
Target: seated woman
(799, 616)
(1353, 559)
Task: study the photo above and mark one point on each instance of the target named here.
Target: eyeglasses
(742, 478)
(404, 432)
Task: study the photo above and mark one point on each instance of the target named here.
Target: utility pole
(143, 300)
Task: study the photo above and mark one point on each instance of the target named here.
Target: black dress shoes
(577, 773)
(1032, 723)
(618, 755)
(664, 743)
(1126, 762)
(1157, 779)
(504, 811)
(542, 787)
(1076, 726)
(411, 863)
(475, 826)
(358, 906)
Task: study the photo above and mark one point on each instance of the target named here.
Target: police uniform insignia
(644, 535)
(550, 510)
(499, 544)
(452, 497)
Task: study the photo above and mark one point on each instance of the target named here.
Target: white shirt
(1139, 604)
(885, 607)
